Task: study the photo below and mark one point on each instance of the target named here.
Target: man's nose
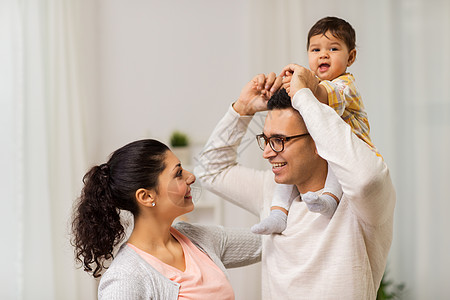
(268, 152)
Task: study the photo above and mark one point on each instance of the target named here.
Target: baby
(331, 50)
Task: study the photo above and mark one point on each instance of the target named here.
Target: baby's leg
(276, 221)
(327, 202)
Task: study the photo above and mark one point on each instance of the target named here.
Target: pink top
(201, 279)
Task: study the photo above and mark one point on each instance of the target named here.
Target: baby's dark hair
(279, 100)
(108, 189)
(339, 28)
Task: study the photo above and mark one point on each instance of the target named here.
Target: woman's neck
(150, 234)
(154, 237)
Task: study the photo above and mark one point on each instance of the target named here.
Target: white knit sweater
(315, 257)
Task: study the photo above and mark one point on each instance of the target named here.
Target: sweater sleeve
(232, 247)
(219, 172)
(240, 247)
(363, 175)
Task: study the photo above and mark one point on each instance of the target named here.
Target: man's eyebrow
(276, 135)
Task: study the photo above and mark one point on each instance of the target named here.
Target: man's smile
(278, 165)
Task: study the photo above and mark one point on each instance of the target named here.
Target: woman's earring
(149, 198)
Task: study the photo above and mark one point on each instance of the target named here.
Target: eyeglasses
(275, 142)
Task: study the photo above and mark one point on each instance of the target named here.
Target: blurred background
(79, 79)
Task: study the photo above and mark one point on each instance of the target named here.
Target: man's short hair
(339, 28)
(279, 100)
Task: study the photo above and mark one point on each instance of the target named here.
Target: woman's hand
(256, 93)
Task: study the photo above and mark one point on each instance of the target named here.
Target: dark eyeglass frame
(269, 140)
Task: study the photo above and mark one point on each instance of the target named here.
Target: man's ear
(145, 197)
(351, 57)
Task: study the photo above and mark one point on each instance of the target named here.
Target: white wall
(157, 66)
(165, 65)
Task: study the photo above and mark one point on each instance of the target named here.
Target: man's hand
(256, 93)
(297, 77)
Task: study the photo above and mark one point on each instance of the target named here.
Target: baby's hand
(300, 78)
(287, 81)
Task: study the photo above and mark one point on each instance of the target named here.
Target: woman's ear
(351, 57)
(145, 197)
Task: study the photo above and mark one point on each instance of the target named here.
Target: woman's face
(174, 186)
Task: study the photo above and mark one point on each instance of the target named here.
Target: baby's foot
(324, 204)
(274, 223)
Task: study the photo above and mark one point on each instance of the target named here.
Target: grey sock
(274, 223)
(332, 185)
(323, 204)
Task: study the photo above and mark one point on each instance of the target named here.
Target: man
(315, 257)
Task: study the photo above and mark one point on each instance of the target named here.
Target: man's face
(328, 56)
(297, 162)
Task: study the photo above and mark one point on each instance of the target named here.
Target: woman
(159, 261)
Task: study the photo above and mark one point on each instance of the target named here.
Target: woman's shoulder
(208, 238)
(130, 277)
(125, 263)
(200, 232)
(123, 276)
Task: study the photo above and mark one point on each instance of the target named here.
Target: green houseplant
(389, 290)
(179, 143)
(179, 139)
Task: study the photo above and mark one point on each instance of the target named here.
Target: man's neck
(316, 181)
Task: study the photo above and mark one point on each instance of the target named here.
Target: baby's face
(328, 56)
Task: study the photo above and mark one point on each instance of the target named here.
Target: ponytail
(96, 224)
(108, 189)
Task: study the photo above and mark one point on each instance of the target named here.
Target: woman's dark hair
(339, 28)
(108, 189)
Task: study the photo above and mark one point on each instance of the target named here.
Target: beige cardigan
(131, 277)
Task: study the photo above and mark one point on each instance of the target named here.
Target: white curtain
(403, 71)
(42, 153)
